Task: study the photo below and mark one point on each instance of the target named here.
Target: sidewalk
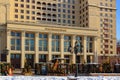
(19, 72)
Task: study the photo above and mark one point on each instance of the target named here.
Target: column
(95, 50)
(62, 46)
(8, 38)
(73, 44)
(49, 47)
(36, 47)
(85, 49)
(23, 49)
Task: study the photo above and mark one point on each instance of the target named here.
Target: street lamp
(77, 48)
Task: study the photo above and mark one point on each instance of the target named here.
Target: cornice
(53, 26)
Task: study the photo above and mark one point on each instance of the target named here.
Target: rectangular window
(29, 42)
(16, 16)
(16, 10)
(89, 44)
(16, 5)
(22, 11)
(55, 43)
(22, 5)
(42, 58)
(15, 41)
(43, 42)
(79, 39)
(67, 43)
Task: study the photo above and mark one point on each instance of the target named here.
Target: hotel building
(41, 30)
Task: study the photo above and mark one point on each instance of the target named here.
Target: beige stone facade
(24, 25)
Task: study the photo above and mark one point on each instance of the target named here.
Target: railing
(67, 69)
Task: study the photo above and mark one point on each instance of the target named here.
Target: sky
(118, 19)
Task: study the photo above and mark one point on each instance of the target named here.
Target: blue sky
(118, 19)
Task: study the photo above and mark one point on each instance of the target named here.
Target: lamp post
(77, 48)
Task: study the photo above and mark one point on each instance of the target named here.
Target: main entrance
(16, 60)
(30, 59)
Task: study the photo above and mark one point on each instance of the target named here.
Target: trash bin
(44, 70)
(117, 68)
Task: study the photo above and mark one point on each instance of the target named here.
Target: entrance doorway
(30, 59)
(88, 59)
(16, 60)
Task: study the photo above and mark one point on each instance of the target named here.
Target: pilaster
(49, 47)
(95, 50)
(62, 46)
(85, 49)
(36, 47)
(23, 49)
(8, 38)
(73, 44)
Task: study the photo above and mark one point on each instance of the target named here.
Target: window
(33, 12)
(55, 43)
(15, 41)
(27, 17)
(101, 14)
(68, 11)
(59, 10)
(64, 6)
(110, 10)
(73, 1)
(101, 4)
(59, 15)
(69, 21)
(68, 6)
(16, 10)
(59, 20)
(22, 5)
(89, 44)
(16, 16)
(68, 1)
(33, 18)
(64, 10)
(69, 16)
(33, 7)
(22, 11)
(33, 1)
(73, 22)
(27, 6)
(110, 5)
(27, 0)
(16, 5)
(64, 16)
(42, 58)
(59, 5)
(22, 16)
(29, 42)
(64, 21)
(43, 42)
(110, 15)
(67, 43)
(73, 7)
(22, 0)
(27, 12)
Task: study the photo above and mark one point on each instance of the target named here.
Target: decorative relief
(23, 33)
(54, 29)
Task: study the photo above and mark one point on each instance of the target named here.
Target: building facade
(41, 30)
